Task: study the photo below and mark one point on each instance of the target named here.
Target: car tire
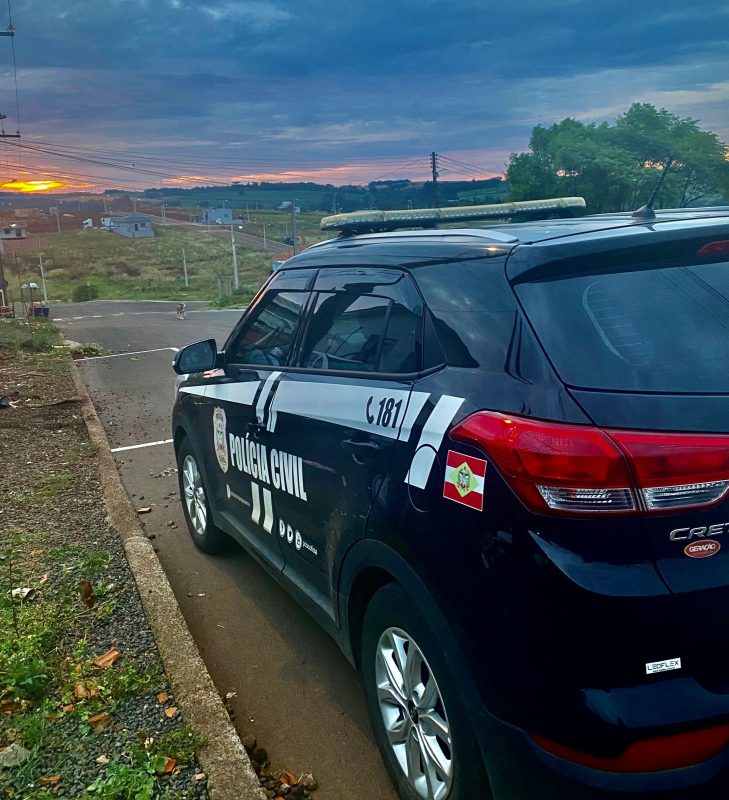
(420, 723)
(195, 505)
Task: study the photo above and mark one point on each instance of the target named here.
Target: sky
(189, 92)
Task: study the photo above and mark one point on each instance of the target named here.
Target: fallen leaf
(199, 776)
(50, 780)
(103, 760)
(80, 691)
(287, 777)
(176, 771)
(99, 721)
(105, 661)
(168, 767)
(68, 708)
(43, 579)
(87, 594)
(144, 510)
(162, 698)
(171, 711)
(8, 706)
(230, 695)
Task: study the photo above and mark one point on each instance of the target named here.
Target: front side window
(268, 335)
(345, 332)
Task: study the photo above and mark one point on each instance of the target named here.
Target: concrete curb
(224, 759)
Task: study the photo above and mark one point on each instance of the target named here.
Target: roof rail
(379, 221)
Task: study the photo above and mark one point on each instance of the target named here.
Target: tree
(615, 167)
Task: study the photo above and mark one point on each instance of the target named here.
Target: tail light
(579, 469)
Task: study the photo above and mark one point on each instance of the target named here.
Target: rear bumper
(519, 768)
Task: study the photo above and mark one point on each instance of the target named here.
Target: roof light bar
(376, 221)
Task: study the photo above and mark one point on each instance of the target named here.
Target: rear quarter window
(474, 311)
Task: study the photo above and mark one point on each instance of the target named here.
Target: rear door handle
(363, 448)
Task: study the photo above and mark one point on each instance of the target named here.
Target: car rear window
(649, 330)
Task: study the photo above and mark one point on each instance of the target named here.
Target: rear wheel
(419, 720)
(195, 504)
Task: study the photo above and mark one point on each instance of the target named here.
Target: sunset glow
(31, 186)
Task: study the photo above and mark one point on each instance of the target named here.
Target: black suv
(494, 464)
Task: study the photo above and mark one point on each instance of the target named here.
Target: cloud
(264, 82)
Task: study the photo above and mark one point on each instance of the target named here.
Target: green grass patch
(38, 336)
(99, 264)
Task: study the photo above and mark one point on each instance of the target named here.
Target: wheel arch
(368, 566)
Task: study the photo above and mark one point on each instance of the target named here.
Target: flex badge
(463, 480)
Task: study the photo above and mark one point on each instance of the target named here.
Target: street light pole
(235, 260)
(43, 275)
(293, 225)
(164, 220)
(184, 267)
(264, 236)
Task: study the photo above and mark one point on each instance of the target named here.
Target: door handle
(255, 428)
(362, 448)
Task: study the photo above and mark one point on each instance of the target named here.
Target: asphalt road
(294, 689)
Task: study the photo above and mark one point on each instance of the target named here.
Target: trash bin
(41, 312)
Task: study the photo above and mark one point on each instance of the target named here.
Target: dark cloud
(316, 80)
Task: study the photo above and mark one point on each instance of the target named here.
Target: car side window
(267, 336)
(345, 332)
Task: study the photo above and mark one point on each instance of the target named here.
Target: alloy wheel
(414, 715)
(194, 491)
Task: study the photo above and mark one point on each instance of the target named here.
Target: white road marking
(430, 438)
(137, 446)
(268, 518)
(132, 353)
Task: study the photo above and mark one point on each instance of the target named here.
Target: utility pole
(293, 225)
(235, 260)
(58, 219)
(184, 267)
(264, 236)
(134, 200)
(164, 219)
(434, 168)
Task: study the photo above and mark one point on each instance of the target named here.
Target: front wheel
(419, 720)
(195, 503)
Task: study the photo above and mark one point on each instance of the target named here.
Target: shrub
(85, 291)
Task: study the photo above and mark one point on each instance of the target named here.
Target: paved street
(294, 690)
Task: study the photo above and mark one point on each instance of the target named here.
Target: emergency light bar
(378, 221)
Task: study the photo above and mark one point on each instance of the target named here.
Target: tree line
(615, 167)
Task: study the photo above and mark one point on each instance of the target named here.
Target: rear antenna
(646, 212)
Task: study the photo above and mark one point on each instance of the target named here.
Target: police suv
(493, 463)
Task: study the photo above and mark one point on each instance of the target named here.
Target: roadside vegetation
(91, 264)
(85, 707)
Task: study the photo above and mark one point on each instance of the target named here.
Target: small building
(14, 231)
(88, 224)
(215, 216)
(133, 226)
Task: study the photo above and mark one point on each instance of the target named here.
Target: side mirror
(196, 357)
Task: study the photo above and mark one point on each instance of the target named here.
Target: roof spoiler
(379, 221)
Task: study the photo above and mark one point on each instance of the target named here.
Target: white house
(133, 226)
(14, 231)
